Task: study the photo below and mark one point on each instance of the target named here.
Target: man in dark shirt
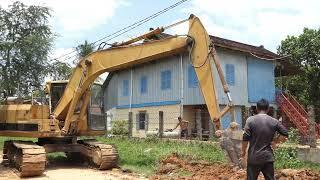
(259, 133)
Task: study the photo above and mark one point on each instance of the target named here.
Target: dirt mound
(174, 167)
(305, 174)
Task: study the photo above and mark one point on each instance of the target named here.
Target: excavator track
(26, 156)
(104, 156)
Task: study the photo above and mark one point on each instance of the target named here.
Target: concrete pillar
(198, 123)
(275, 114)
(130, 125)
(211, 129)
(160, 124)
(233, 114)
(312, 127)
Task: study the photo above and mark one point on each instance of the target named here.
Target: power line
(138, 23)
(125, 30)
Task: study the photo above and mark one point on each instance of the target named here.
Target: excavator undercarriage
(29, 158)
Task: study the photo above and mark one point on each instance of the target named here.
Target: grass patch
(287, 157)
(4, 138)
(57, 156)
(144, 155)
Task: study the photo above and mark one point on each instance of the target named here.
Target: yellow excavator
(58, 124)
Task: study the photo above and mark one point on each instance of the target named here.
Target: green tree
(25, 41)
(60, 71)
(85, 49)
(304, 51)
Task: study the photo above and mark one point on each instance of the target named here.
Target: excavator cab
(96, 116)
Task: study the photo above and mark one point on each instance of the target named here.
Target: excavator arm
(126, 55)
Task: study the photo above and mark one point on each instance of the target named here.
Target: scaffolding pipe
(131, 90)
(182, 86)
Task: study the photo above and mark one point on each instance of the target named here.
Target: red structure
(295, 112)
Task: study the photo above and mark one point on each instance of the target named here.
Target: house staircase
(295, 112)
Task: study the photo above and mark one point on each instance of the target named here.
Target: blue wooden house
(170, 85)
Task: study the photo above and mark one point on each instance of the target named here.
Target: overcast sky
(248, 21)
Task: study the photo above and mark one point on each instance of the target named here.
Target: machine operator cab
(96, 115)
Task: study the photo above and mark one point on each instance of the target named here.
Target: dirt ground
(66, 170)
(174, 167)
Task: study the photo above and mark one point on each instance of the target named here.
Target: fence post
(198, 123)
(106, 123)
(130, 125)
(312, 127)
(160, 124)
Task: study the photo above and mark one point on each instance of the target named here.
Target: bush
(293, 136)
(287, 158)
(120, 127)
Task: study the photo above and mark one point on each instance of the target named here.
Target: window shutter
(162, 80)
(230, 74)
(143, 84)
(166, 79)
(192, 77)
(169, 80)
(137, 121)
(146, 121)
(125, 87)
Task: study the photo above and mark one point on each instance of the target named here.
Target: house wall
(170, 115)
(110, 94)
(171, 112)
(190, 111)
(238, 90)
(192, 95)
(253, 79)
(261, 82)
(227, 119)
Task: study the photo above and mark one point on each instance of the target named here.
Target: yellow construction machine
(66, 117)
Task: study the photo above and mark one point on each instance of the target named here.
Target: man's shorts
(184, 133)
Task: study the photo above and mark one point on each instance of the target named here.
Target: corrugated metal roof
(238, 46)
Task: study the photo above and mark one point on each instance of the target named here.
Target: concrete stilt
(199, 123)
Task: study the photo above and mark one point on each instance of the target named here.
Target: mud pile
(174, 167)
(304, 174)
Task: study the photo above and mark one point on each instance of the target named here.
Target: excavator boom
(128, 55)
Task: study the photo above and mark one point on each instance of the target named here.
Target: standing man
(259, 132)
(183, 127)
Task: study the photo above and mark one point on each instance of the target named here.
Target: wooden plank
(34, 158)
(34, 151)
